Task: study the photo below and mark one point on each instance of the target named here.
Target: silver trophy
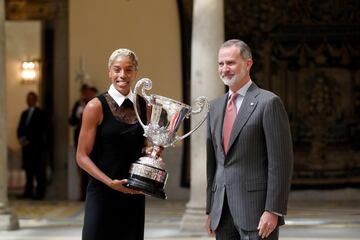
(148, 174)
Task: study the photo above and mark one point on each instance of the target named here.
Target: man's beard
(235, 79)
(229, 82)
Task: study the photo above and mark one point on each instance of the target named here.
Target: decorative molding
(308, 53)
(260, 17)
(30, 9)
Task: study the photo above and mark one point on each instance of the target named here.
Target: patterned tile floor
(55, 220)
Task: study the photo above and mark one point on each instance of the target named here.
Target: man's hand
(23, 141)
(267, 224)
(208, 226)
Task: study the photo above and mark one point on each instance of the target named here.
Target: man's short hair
(245, 50)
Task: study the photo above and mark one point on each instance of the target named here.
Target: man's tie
(230, 115)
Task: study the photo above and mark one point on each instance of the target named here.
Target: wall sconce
(30, 71)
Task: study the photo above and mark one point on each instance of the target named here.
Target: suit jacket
(75, 119)
(35, 130)
(256, 171)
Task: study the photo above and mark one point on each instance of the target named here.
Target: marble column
(207, 36)
(60, 104)
(8, 220)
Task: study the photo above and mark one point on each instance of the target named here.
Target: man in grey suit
(249, 158)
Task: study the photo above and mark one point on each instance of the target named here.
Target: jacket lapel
(247, 108)
(220, 116)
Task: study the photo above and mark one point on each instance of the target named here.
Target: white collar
(118, 97)
(242, 91)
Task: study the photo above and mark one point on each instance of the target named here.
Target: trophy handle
(203, 103)
(143, 84)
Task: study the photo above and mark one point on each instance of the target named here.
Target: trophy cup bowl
(148, 174)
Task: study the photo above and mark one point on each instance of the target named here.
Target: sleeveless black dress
(110, 214)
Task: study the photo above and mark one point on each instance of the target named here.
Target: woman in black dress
(111, 139)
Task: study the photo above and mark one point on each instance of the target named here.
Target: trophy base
(146, 188)
(148, 176)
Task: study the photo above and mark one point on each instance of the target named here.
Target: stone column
(61, 104)
(8, 221)
(207, 36)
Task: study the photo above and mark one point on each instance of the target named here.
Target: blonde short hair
(123, 52)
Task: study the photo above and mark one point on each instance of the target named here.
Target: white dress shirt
(118, 97)
(242, 91)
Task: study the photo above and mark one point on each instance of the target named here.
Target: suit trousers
(228, 231)
(35, 167)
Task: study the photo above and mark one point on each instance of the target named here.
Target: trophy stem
(155, 151)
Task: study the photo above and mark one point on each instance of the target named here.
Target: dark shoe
(39, 197)
(24, 196)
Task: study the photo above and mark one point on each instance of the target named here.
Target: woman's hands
(118, 185)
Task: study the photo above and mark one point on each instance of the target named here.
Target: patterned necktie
(230, 115)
